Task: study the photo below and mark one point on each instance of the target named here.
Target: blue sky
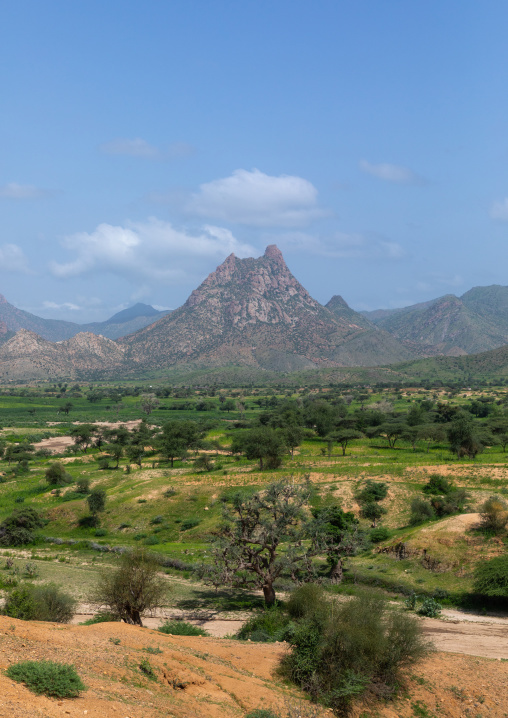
(141, 143)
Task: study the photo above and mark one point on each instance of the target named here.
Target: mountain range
(55, 330)
(250, 313)
(475, 322)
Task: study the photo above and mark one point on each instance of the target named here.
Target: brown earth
(207, 677)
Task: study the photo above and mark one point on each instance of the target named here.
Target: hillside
(229, 677)
(253, 312)
(475, 322)
(27, 356)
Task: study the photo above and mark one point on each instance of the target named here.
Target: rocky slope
(254, 312)
(475, 322)
(27, 356)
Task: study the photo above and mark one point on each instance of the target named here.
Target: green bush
(56, 475)
(421, 511)
(189, 524)
(306, 600)
(430, 608)
(18, 528)
(359, 645)
(182, 628)
(491, 580)
(40, 603)
(437, 485)
(83, 485)
(379, 534)
(268, 626)
(58, 680)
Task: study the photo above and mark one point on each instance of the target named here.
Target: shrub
(134, 588)
(182, 628)
(103, 463)
(18, 528)
(58, 680)
(101, 617)
(83, 485)
(96, 501)
(40, 603)
(56, 475)
(267, 626)
(89, 522)
(261, 713)
(306, 600)
(152, 541)
(170, 492)
(189, 524)
(360, 645)
(451, 503)
(491, 579)
(379, 534)
(494, 514)
(157, 520)
(430, 608)
(438, 485)
(421, 511)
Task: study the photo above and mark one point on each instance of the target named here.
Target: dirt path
(469, 634)
(474, 639)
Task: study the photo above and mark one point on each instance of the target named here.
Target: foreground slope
(253, 312)
(216, 678)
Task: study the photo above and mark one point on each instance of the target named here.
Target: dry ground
(206, 677)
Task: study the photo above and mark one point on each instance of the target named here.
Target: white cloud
(64, 305)
(13, 190)
(499, 210)
(12, 259)
(149, 251)
(341, 245)
(392, 173)
(257, 199)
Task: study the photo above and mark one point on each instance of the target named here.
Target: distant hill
(125, 322)
(129, 320)
(253, 312)
(475, 322)
(27, 356)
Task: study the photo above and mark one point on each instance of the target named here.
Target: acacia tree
(83, 435)
(177, 438)
(148, 403)
(135, 588)
(343, 437)
(336, 532)
(263, 443)
(261, 536)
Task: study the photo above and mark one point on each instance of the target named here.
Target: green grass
(186, 519)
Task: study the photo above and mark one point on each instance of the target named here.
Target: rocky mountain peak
(273, 252)
(337, 301)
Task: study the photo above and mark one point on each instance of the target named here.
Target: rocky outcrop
(255, 312)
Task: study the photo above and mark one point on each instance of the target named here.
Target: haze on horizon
(142, 144)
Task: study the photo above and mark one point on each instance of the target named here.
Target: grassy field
(174, 510)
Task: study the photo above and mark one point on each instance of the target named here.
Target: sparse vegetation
(56, 680)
